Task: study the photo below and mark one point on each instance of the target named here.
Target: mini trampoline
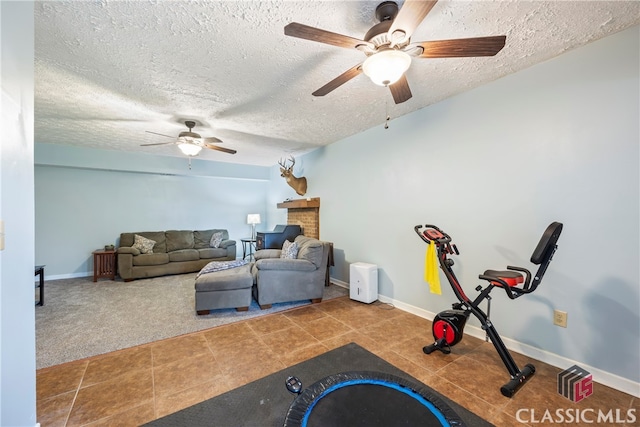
(369, 399)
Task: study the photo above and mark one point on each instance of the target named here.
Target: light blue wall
(17, 317)
(85, 198)
(493, 167)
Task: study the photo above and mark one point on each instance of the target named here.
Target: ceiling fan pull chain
(386, 123)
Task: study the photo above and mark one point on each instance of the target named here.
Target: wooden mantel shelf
(300, 203)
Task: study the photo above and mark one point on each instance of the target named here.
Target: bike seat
(511, 278)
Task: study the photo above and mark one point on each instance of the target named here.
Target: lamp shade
(189, 149)
(253, 219)
(386, 67)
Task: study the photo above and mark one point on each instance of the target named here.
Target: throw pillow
(144, 245)
(216, 239)
(289, 250)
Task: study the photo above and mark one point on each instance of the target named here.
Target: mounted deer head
(298, 184)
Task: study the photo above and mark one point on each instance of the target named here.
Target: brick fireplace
(305, 213)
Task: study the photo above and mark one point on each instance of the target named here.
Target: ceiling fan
(388, 46)
(190, 143)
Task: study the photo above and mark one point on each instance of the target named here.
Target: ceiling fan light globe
(189, 149)
(386, 67)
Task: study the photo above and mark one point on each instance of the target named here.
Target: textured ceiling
(107, 71)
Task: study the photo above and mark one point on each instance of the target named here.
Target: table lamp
(253, 219)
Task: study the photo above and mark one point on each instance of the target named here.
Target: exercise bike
(448, 326)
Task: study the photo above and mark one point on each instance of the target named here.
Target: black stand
(39, 271)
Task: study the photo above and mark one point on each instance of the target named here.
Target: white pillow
(289, 250)
(216, 239)
(144, 245)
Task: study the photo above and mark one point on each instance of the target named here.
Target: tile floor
(140, 384)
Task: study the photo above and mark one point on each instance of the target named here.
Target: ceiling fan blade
(476, 46)
(157, 143)
(155, 133)
(410, 15)
(400, 90)
(224, 150)
(306, 32)
(339, 81)
(211, 140)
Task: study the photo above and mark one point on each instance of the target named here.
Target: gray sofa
(281, 280)
(174, 252)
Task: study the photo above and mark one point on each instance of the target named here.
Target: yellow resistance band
(431, 273)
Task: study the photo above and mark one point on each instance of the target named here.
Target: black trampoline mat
(370, 405)
(265, 402)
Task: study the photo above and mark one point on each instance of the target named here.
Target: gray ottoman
(229, 288)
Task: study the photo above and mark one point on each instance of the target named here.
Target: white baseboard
(67, 276)
(603, 377)
(339, 283)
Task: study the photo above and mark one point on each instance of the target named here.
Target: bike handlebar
(432, 233)
(439, 237)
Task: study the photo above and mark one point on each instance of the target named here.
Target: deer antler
(284, 163)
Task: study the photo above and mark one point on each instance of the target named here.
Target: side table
(104, 264)
(39, 271)
(250, 244)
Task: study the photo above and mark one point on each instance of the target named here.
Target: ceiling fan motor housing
(189, 135)
(378, 34)
(190, 124)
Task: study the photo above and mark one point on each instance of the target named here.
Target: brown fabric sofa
(174, 252)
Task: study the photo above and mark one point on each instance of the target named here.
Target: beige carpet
(81, 318)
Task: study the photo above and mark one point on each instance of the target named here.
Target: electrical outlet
(560, 318)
